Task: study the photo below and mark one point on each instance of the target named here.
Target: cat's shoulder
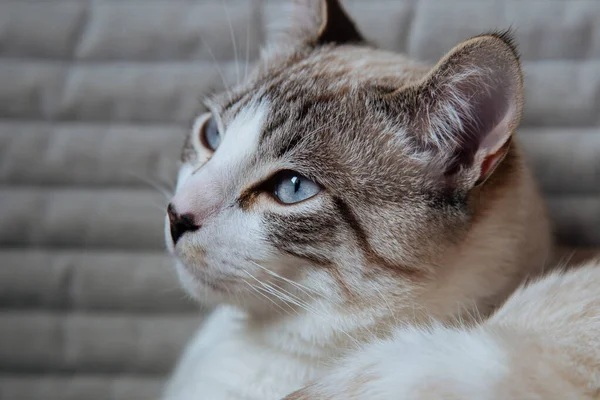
(542, 323)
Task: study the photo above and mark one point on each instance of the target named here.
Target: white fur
(231, 357)
(221, 364)
(415, 363)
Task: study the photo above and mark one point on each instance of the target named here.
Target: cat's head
(337, 167)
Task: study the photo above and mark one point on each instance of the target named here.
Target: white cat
(341, 192)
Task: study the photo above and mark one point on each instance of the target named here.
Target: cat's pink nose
(180, 223)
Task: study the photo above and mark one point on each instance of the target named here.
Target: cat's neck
(509, 232)
(322, 333)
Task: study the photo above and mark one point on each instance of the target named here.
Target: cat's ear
(469, 105)
(335, 25)
(319, 22)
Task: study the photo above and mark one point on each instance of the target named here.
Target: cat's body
(342, 192)
(543, 344)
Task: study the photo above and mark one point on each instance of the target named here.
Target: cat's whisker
(253, 293)
(311, 310)
(284, 295)
(255, 289)
(257, 295)
(247, 48)
(263, 284)
(300, 287)
(216, 64)
(289, 296)
(303, 305)
(280, 292)
(233, 41)
(165, 191)
(278, 297)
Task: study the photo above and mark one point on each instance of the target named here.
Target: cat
(342, 191)
(542, 344)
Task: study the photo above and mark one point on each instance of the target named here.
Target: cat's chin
(207, 290)
(211, 291)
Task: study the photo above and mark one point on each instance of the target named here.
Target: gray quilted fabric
(95, 97)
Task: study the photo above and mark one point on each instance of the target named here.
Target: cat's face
(337, 167)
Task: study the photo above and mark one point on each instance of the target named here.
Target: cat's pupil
(296, 182)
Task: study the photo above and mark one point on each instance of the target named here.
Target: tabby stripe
(350, 219)
(277, 121)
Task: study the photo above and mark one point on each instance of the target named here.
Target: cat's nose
(180, 223)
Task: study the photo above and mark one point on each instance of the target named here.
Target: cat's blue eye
(291, 187)
(210, 135)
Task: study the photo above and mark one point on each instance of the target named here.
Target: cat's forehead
(320, 93)
(335, 72)
(337, 67)
(317, 114)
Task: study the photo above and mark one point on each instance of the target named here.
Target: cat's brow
(221, 103)
(273, 123)
(289, 145)
(235, 99)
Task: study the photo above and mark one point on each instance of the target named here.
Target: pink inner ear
(491, 161)
(495, 146)
(483, 104)
(499, 134)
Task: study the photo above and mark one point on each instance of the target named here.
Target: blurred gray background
(95, 99)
